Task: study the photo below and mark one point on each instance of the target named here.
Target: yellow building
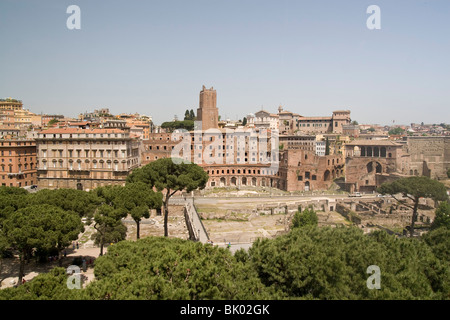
(22, 117)
(10, 104)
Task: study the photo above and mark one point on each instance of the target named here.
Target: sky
(153, 57)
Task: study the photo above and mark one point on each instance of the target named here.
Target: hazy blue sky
(153, 57)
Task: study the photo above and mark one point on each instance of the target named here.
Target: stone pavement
(10, 266)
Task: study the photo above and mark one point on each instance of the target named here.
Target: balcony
(15, 174)
(75, 170)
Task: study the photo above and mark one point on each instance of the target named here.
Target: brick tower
(207, 112)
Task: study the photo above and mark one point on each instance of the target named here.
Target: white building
(319, 148)
(263, 119)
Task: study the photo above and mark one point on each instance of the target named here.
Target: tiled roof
(79, 130)
(372, 143)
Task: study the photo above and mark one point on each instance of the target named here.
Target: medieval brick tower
(207, 112)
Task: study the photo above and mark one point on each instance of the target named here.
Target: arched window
(379, 168)
(326, 175)
(376, 152)
(307, 186)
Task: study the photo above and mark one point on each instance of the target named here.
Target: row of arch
(374, 152)
(234, 171)
(374, 166)
(240, 181)
(87, 161)
(333, 174)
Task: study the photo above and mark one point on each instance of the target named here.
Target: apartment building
(18, 163)
(85, 158)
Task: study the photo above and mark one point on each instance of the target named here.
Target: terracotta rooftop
(372, 143)
(315, 118)
(79, 130)
(78, 123)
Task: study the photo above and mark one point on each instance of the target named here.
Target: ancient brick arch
(374, 166)
(327, 175)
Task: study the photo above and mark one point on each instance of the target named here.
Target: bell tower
(207, 112)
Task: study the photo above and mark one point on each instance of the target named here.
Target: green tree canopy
(396, 131)
(108, 224)
(414, 188)
(52, 122)
(170, 177)
(137, 199)
(170, 268)
(439, 242)
(306, 218)
(45, 286)
(186, 115)
(107, 217)
(306, 263)
(173, 125)
(11, 199)
(82, 202)
(442, 216)
(189, 115)
(331, 263)
(40, 227)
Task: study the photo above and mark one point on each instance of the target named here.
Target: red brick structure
(158, 145)
(207, 112)
(369, 163)
(18, 163)
(303, 170)
(249, 163)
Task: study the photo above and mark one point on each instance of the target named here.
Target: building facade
(294, 166)
(18, 163)
(429, 156)
(263, 119)
(297, 141)
(369, 163)
(291, 123)
(10, 104)
(303, 170)
(85, 158)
